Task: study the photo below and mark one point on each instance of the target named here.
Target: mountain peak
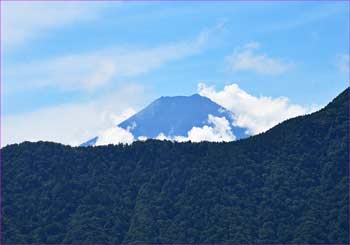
(193, 96)
(176, 116)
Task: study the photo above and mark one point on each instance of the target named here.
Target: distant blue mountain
(175, 116)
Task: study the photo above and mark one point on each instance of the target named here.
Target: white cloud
(343, 63)
(246, 59)
(162, 136)
(219, 131)
(89, 71)
(25, 21)
(125, 114)
(142, 138)
(115, 135)
(73, 123)
(257, 114)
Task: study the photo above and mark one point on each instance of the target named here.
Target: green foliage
(288, 185)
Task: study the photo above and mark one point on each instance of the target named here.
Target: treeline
(288, 185)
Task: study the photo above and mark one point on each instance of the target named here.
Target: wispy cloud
(313, 14)
(342, 62)
(26, 21)
(247, 59)
(89, 71)
(76, 122)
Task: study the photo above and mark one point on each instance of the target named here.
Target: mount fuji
(176, 116)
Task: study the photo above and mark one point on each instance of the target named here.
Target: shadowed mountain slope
(288, 185)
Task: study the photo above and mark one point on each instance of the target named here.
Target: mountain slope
(174, 116)
(288, 185)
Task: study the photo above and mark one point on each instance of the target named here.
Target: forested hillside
(288, 185)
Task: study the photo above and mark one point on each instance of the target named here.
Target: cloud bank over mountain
(254, 114)
(258, 114)
(218, 131)
(245, 112)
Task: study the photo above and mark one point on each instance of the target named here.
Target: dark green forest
(288, 185)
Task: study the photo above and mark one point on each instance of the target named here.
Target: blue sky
(59, 57)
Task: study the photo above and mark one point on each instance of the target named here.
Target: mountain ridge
(175, 116)
(288, 185)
